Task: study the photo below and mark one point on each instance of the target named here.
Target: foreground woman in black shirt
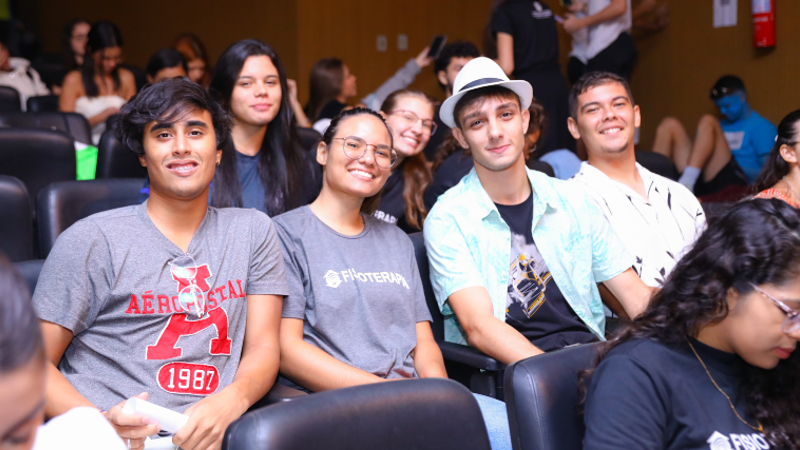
(710, 364)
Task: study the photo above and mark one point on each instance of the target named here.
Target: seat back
(62, 204)
(16, 228)
(422, 414)
(72, 124)
(37, 157)
(30, 271)
(114, 160)
(43, 103)
(542, 398)
(418, 239)
(9, 100)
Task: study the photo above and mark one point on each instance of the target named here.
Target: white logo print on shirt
(719, 441)
(333, 279)
(539, 12)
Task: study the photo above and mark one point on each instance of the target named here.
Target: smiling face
(493, 129)
(181, 157)
(410, 120)
(361, 177)
(256, 97)
(606, 120)
(22, 403)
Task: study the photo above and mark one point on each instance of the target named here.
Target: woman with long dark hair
(780, 176)
(100, 88)
(74, 38)
(711, 363)
(265, 167)
(330, 86)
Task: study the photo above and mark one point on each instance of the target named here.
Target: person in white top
(18, 74)
(657, 218)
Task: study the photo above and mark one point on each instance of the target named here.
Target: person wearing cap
(657, 218)
(515, 255)
(726, 151)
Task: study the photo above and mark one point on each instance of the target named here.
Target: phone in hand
(436, 46)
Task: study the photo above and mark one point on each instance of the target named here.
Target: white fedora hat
(481, 73)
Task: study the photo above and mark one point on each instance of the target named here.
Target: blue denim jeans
(495, 416)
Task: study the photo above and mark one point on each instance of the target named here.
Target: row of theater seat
(10, 101)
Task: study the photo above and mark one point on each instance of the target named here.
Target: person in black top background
(527, 47)
(710, 364)
(330, 85)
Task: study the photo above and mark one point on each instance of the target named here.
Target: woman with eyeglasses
(780, 176)
(356, 311)
(100, 88)
(711, 363)
(409, 115)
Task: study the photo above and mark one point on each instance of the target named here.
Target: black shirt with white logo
(648, 395)
(535, 34)
(535, 305)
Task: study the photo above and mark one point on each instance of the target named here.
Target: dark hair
(168, 102)
(457, 49)
(20, 335)
(755, 242)
(538, 122)
(592, 80)
(416, 174)
(165, 59)
(726, 85)
(282, 164)
(102, 35)
(324, 84)
(192, 48)
(478, 96)
(370, 204)
(67, 54)
(775, 168)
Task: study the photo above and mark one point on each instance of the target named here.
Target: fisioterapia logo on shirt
(333, 279)
(754, 441)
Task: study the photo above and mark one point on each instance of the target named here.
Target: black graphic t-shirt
(535, 305)
(648, 395)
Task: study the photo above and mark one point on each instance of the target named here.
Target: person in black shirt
(711, 362)
(330, 85)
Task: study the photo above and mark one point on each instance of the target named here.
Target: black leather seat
(62, 204)
(542, 399)
(115, 160)
(481, 373)
(72, 124)
(9, 100)
(30, 272)
(424, 414)
(37, 157)
(43, 103)
(16, 228)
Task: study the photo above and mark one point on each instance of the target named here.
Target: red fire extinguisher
(764, 23)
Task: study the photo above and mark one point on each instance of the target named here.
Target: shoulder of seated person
(641, 350)
(73, 77)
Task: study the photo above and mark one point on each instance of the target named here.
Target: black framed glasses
(355, 148)
(792, 322)
(191, 298)
(412, 118)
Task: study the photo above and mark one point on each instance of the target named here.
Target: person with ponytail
(409, 115)
(711, 362)
(780, 177)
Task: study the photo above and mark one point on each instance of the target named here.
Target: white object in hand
(159, 444)
(169, 420)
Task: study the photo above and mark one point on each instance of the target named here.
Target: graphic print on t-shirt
(334, 279)
(753, 441)
(528, 276)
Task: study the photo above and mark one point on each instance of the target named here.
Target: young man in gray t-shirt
(171, 297)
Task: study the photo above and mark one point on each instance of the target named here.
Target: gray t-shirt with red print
(109, 280)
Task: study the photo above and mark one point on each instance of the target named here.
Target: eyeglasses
(792, 322)
(411, 119)
(355, 148)
(191, 298)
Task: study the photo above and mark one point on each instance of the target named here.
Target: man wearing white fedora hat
(516, 255)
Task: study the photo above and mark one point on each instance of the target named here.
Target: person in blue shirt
(516, 255)
(727, 151)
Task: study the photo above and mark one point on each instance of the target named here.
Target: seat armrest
(470, 356)
(278, 394)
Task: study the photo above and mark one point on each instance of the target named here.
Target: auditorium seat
(115, 160)
(62, 204)
(37, 157)
(542, 399)
(481, 373)
(43, 103)
(30, 272)
(9, 100)
(423, 414)
(16, 228)
(72, 124)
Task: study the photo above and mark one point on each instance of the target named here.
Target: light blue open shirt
(469, 245)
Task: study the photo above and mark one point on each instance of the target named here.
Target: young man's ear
(142, 160)
(459, 135)
(322, 154)
(573, 128)
(442, 77)
(637, 116)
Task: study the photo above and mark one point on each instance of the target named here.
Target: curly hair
(755, 242)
